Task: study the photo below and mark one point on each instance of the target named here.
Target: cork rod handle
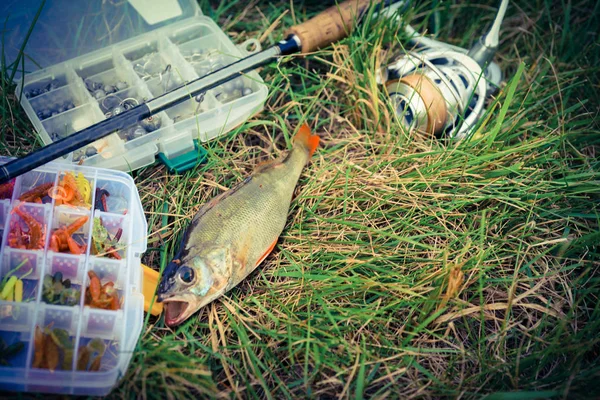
(331, 25)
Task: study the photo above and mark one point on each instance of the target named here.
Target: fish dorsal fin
(261, 167)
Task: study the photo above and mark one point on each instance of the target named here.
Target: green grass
(354, 300)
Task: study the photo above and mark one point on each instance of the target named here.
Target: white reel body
(441, 89)
(438, 91)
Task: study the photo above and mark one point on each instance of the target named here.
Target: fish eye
(186, 274)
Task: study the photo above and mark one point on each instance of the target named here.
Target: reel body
(439, 92)
(441, 89)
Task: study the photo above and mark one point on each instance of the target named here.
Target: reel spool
(441, 90)
(437, 92)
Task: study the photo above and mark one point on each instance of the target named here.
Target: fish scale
(233, 233)
(255, 212)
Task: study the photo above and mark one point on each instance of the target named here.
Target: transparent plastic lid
(67, 29)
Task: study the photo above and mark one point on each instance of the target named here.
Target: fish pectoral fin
(240, 260)
(219, 284)
(269, 250)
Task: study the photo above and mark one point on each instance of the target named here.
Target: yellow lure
(19, 291)
(7, 290)
(84, 188)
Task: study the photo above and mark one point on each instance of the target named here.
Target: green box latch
(185, 161)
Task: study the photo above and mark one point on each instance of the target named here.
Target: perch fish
(233, 233)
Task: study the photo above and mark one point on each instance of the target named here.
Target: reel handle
(329, 26)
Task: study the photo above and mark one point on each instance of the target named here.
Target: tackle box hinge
(185, 161)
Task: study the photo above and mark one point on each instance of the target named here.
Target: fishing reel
(440, 89)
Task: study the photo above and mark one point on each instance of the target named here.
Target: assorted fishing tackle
(440, 89)
(103, 245)
(44, 88)
(54, 348)
(101, 296)
(99, 89)
(56, 290)
(7, 352)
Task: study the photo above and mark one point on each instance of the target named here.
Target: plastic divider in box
(112, 75)
(113, 195)
(105, 83)
(26, 265)
(148, 60)
(174, 74)
(116, 103)
(51, 358)
(85, 183)
(4, 215)
(63, 279)
(193, 110)
(94, 353)
(157, 59)
(206, 55)
(97, 65)
(28, 226)
(120, 101)
(24, 242)
(56, 92)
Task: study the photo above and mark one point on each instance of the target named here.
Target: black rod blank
(134, 115)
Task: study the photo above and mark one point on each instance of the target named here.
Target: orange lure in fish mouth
(233, 233)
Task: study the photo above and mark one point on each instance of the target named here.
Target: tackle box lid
(66, 29)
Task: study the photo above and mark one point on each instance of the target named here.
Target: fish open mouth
(175, 311)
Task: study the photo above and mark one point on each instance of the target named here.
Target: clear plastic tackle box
(28, 228)
(100, 58)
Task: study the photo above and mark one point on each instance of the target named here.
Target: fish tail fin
(307, 139)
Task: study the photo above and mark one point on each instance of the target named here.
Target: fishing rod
(329, 26)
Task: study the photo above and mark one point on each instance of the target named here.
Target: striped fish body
(233, 233)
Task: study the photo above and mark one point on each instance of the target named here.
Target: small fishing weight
(115, 106)
(31, 93)
(151, 123)
(49, 109)
(132, 133)
(100, 90)
(232, 90)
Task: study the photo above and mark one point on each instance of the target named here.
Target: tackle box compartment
(100, 58)
(82, 326)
